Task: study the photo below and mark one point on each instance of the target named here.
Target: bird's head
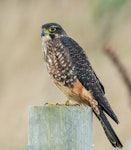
(52, 30)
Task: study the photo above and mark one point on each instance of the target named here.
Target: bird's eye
(52, 29)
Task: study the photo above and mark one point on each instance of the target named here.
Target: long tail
(110, 133)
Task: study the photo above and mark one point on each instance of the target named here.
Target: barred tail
(110, 133)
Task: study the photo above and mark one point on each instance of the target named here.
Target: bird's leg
(49, 104)
(67, 103)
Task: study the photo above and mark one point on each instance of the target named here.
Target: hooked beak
(42, 33)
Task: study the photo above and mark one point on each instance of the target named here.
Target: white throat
(45, 40)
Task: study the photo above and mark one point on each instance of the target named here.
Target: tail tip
(117, 144)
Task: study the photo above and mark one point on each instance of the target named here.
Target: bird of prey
(71, 71)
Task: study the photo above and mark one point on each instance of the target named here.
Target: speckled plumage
(71, 71)
(58, 63)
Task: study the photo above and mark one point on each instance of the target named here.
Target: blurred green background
(23, 77)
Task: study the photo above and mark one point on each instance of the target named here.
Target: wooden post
(60, 128)
(129, 145)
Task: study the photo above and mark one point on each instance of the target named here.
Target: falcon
(71, 71)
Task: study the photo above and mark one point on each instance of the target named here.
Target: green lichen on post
(60, 128)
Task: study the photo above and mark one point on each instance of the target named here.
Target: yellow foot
(49, 104)
(67, 103)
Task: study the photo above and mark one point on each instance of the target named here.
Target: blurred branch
(102, 8)
(107, 16)
(121, 68)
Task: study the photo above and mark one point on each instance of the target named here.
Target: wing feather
(86, 75)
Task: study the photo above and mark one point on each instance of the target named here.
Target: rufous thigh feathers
(85, 96)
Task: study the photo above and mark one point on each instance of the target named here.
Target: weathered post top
(60, 128)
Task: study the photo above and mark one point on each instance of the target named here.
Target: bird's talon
(67, 103)
(49, 104)
(46, 104)
(76, 104)
(57, 103)
(60, 104)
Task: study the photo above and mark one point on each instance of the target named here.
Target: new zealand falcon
(71, 71)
